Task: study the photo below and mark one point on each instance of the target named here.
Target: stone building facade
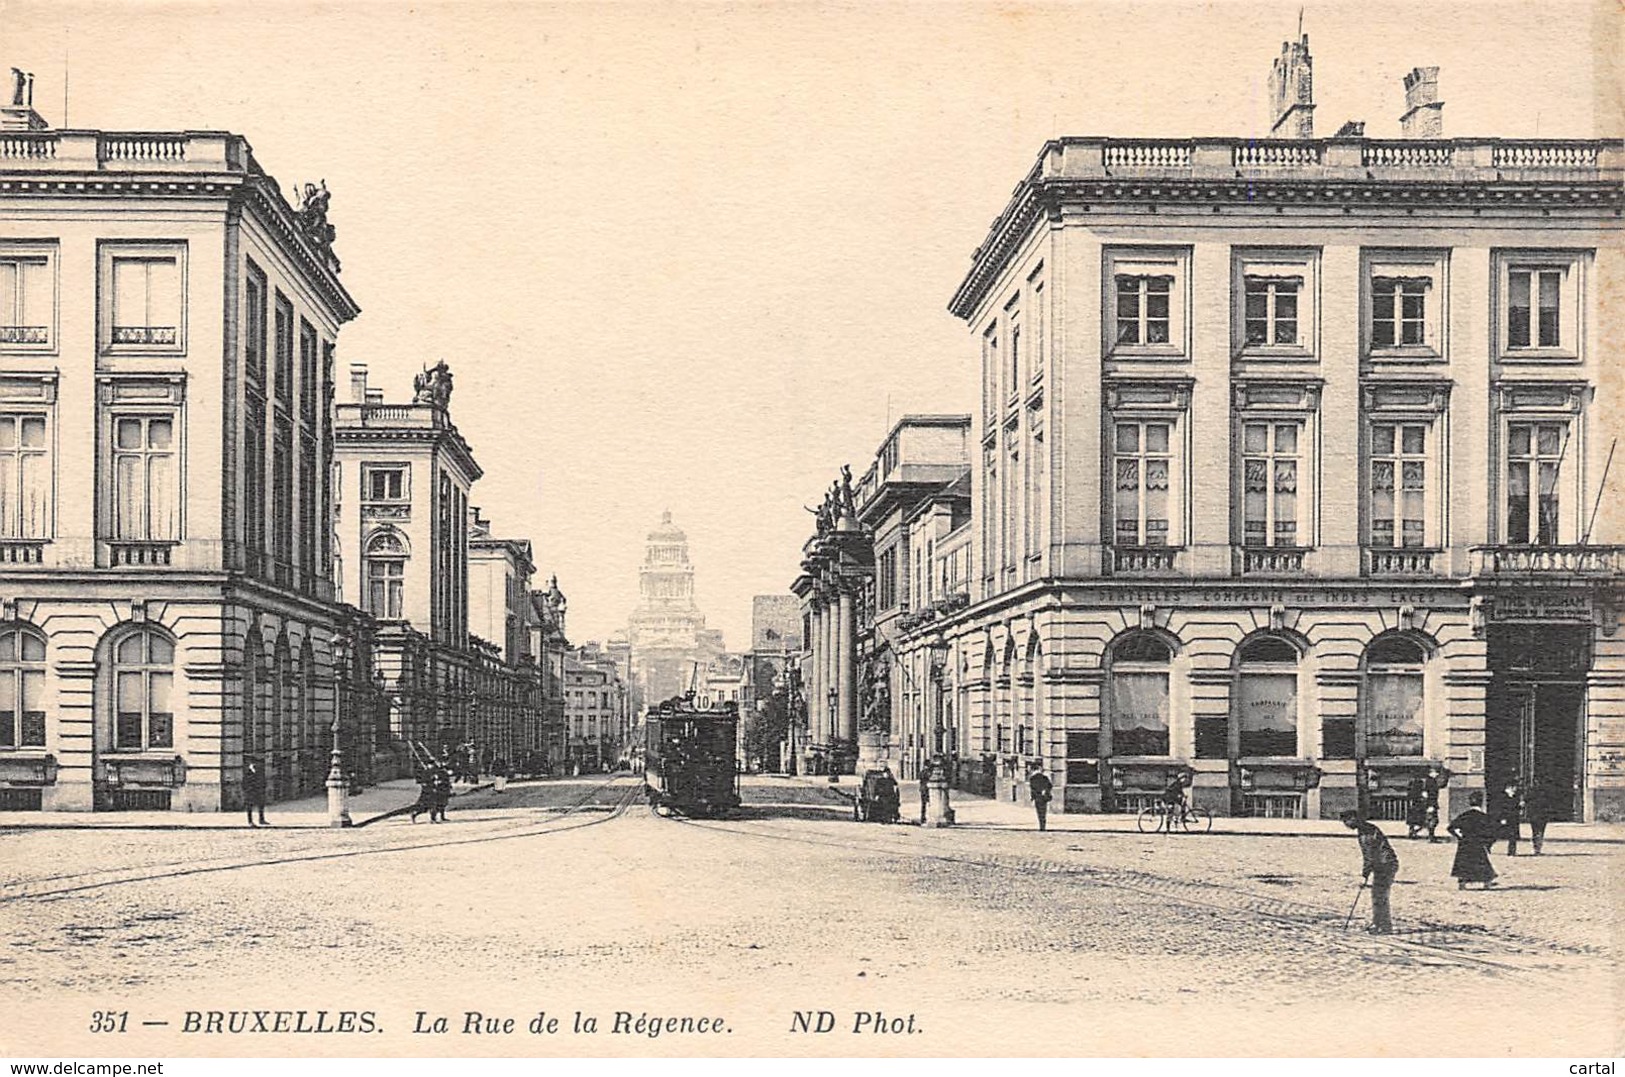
(1294, 471)
(666, 634)
(167, 330)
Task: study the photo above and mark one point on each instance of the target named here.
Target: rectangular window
(25, 476)
(1399, 466)
(254, 478)
(1535, 453)
(1144, 308)
(1141, 465)
(22, 702)
(1270, 472)
(1012, 317)
(1337, 738)
(254, 325)
(307, 374)
(146, 294)
(146, 478)
(1534, 308)
(310, 525)
(1399, 311)
(1271, 310)
(1040, 320)
(282, 493)
(284, 350)
(384, 484)
(990, 374)
(1267, 707)
(385, 582)
(1082, 757)
(27, 300)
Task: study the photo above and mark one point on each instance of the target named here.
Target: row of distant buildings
(206, 555)
(1292, 472)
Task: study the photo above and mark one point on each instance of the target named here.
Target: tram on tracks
(690, 764)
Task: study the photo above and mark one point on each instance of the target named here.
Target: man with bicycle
(1173, 802)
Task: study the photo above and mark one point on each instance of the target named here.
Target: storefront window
(1393, 702)
(1139, 696)
(1267, 698)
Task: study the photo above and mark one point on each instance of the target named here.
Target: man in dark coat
(1430, 795)
(1474, 832)
(1379, 866)
(442, 794)
(1537, 807)
(425, 801)
(254, 790)
(1041, 787)
(1416, 808)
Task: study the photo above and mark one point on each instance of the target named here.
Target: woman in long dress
(1474, 832)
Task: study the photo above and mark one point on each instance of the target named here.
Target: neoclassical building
(167, 329)
(1294, 469)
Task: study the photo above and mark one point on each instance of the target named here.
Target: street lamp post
(338, 789)
(834, 724)
(939, 778)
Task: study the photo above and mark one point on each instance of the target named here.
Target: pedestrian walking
(1475, 832)
(425, 801)
(442, 794)
(1430, 791)
(254, 790)
(1379, 865)
(1509, 817)
(925, 789)
(1538, 808)
(1416, 808)
(1041, 787)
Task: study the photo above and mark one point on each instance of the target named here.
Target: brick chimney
(358, 383)
(1292, 90)
(17, 114)
(1424, 112)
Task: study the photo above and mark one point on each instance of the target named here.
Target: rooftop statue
(433, 385)
(312, 214)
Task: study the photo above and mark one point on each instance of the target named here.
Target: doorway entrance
(1533, 731)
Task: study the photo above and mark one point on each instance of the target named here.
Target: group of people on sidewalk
(1476, 831)
(434, 792)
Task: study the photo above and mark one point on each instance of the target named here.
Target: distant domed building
(666, 634)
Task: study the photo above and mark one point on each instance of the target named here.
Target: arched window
(1138, 695)
(1266, 704)
(1028, 741)
(22, 688)
(1393, 697)
(386, 575)
(143, 683)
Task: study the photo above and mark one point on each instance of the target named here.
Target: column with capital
(846, 705)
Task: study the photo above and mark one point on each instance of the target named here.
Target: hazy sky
(693, 257)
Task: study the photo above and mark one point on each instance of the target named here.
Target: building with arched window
(165, 482)
(1290, 458)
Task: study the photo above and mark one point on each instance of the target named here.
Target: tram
(689, 758)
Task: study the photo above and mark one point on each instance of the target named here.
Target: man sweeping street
(1379, 866)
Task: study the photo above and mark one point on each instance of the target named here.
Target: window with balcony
(1142, 468)
(145, 459)
(27, 298)
(143, 298)
(1271, 464)
(1534, 461)
(1145, 302)
(25, 476)
(1399, 485)
(143, 676)
(1266, 697)
(22, 688)
(385, 566)
(1539, 296)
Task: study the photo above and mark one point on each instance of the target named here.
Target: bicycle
(1166, 818)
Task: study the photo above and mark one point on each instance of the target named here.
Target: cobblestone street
(570, 895)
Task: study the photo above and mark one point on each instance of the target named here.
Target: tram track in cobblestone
(1436, 942)
(41, 888)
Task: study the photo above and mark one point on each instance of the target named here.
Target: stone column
(846, 709)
